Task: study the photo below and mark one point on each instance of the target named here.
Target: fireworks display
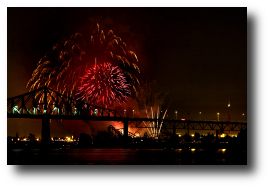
(61, 68)
(104, 84)
(149, 95)
(100, 70)
(155, 126)
(150, 100)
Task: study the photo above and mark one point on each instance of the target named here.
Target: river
(118, 156)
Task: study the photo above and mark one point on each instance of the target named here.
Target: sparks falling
(155, 126)
(103, 84)
(61, 68)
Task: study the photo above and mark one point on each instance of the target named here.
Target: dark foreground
(118, 156)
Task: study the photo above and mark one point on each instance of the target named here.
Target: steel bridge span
(46, 104)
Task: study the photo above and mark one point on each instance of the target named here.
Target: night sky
(198, 55)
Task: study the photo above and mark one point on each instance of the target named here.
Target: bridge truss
(45, 103)
(189, 124)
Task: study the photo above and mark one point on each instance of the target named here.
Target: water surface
(104, 156)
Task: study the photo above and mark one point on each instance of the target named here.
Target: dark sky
(198, 55)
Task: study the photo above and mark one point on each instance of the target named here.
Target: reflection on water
(105, 156)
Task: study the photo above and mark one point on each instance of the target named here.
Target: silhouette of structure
(229, 117)
(45, 103)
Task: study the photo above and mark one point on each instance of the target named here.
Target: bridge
(45, 103)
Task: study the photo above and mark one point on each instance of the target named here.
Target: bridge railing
(50, 102)
(45, 101)
(188, 124)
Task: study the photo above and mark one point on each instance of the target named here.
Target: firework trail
(149, 95)
(61, 68)
(154, 127)
(150, 100)
(111, 48)
(104, 84)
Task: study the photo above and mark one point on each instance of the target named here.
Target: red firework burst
(103, 84)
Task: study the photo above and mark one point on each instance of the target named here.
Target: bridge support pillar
(125, 134)
(45, 132)
(174, 131)
(217, 139)
(188, 128)
(125, 129)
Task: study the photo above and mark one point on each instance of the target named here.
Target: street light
(176, 114)
(217, 116)
(243, 116)
(125, 112)
(200, 115)
(133, 113)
